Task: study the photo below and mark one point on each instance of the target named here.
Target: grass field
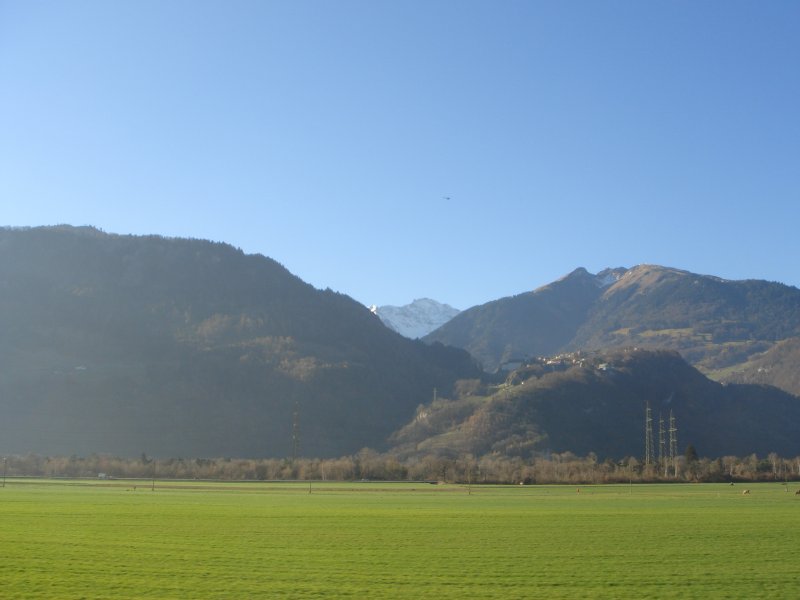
(70, 540)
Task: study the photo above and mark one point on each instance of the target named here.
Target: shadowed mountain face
(126, 344)
(714, 323)
(596, 402)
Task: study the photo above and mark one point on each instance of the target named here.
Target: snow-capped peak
(417, 319)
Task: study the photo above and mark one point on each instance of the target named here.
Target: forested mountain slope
(596, 403)
(126, 344)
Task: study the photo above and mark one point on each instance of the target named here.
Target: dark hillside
(127, 344)
(596, 403)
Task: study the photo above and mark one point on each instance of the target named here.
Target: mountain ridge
(177, 347)
(707, 318)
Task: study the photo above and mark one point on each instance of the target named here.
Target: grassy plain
(70, 540)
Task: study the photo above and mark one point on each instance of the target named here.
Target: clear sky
(391, 150)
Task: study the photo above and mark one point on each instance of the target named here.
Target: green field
(73, 539)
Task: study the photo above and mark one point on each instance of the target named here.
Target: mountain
(179, 347)
(536, 323)
(417, 319)
(714, 323)
(595, 402)
(779, 366)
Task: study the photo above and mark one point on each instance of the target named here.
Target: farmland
(124, 539)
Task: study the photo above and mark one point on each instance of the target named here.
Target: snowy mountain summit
(417, 319)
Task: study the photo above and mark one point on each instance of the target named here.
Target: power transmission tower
(648, 436)
(662, 444)
(673, 444)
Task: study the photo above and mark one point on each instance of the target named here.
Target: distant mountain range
(188, 348)
(714, 323)
(417, 319)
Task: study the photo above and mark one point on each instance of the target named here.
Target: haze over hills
(176, 347)
(126, 344)
(714, 323)
(417, 319)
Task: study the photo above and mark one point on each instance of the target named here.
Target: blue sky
(458, 150)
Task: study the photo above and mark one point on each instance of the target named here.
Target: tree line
(367, 464)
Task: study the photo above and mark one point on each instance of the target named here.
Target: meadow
(126, 539)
